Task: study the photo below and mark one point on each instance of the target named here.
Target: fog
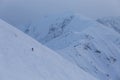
(17, 9)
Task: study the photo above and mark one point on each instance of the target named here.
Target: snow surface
(112, 22)
(91, 46)
(84, 42)
(23, 58)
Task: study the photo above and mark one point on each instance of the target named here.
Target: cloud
(13, 10)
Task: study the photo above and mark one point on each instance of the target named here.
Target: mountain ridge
(21, 57)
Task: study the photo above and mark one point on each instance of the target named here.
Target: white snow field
(84, 42)
(23, 58)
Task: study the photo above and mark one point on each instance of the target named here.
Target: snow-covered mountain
(86, 43)
(90, 45)
(23, 58)
(112, 22)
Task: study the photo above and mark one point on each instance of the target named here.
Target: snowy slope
(86, 43)
(22, 58)
(112, 22)
(91, 46)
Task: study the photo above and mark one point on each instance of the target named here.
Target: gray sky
(12, 9)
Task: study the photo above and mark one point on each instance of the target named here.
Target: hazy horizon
(16, 10)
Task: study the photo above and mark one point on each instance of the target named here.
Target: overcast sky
(89, 8)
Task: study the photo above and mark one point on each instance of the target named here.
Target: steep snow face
(22, 58)
(95, 51)
(113, 22)
(90, 45)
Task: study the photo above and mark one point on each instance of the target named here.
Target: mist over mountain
(14, 10)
